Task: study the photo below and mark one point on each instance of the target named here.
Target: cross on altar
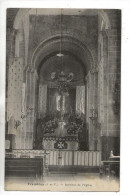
(60, 145)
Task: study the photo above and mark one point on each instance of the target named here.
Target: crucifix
(60, 103)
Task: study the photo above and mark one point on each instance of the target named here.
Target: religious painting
(63, 99)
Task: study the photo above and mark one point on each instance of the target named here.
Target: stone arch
(106, 24)
(80, 46)
(70, 43)
(41, 53)
(21, 25)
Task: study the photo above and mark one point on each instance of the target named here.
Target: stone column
(109, 77)
(89, 83)
(87, 100)
(94, 121)
(14, 99)
(31, 107)
(92, 103)
(96, 101)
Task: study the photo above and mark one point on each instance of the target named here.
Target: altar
(67, 143)
(62, 118)
(60, 135)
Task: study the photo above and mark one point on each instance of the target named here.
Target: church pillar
(31, 107)
(96, 132)
(14, 101)
(109, 87)
(16, 65)
(89, 80)
(92, 108)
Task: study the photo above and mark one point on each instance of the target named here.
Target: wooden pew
(24, 168)
(111, 167)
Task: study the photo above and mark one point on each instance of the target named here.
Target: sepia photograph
(63, 86)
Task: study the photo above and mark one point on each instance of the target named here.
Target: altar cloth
(68, 143)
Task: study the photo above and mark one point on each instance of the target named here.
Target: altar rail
(75, 158)
(61, 157)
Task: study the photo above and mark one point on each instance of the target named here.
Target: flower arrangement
(50, 126)
(76, 123)
(50, 122)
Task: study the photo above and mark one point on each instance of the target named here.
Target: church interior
(62, 94)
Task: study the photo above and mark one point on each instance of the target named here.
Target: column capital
(104, 32)
(34, 72)
(94, 69)
(14, 32)
(87, 77)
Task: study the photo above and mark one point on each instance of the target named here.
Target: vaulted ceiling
(67, 63)
(11, 13)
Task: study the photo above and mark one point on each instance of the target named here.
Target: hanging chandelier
(63, 81)
(61, 77)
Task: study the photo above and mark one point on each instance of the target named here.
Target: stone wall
(109, 90)
(83, 28)
(103, 83)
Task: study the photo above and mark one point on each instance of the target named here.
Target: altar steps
(73, 169)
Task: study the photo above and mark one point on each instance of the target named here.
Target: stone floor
(65, 182)
(70, 176)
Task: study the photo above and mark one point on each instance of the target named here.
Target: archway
(45, 56)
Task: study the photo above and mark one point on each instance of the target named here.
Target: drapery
(56, 102)
(42, 99)
(80, 99)
(49, 100)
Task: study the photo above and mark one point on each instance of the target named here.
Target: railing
(61, 157)
(75, 158)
